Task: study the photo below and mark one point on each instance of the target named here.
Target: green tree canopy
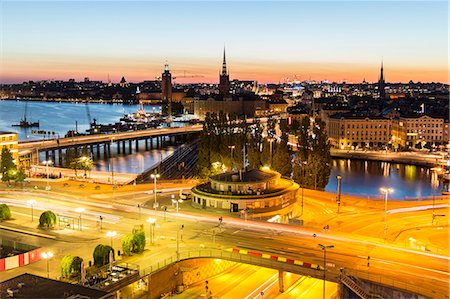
(101, 254)
(48, 219)
(312, 165)
(5, 212)
(134, 243)
(7, 166)
(70, 266)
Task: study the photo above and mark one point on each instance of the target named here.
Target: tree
(5, 212)
(85, 164)
(312, 165)
(48, 220)
(134, 243)
(7, 165)
(70, 266)
(101, 255)
(20, 175)
(282, 158)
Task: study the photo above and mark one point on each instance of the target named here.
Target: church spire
(224, 64)
(381, 83)
(381, 71)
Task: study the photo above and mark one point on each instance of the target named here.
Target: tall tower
(381, 83)
(166, 90)
(224, 78)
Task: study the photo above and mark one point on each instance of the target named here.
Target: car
(186, 195)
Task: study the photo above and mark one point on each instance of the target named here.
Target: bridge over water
(154, 138)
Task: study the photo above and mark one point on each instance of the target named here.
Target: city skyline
(265, 41)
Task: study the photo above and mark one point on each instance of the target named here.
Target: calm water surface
(363, 178)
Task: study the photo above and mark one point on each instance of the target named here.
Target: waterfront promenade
(420, 158)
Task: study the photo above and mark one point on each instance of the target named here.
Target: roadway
(252, 282)
(424, 272)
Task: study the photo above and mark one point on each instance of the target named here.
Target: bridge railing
(389, 282)
(234, 257)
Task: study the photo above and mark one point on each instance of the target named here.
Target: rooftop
(5, 132)
(253, 175)
(32, 286)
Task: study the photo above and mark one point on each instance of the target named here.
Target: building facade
(424, 129)
(257, 192)
(358, 131)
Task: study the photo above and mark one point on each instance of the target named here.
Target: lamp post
(154, 176)
(111, 234)
(386, 192)
(231, 147)
(80, 210)
(47, 162)
(31, 203)
(177, 201)
(339, 193)
(271, 140)
(324, 249)
(47, 255)
(151, 222)
(112, 164)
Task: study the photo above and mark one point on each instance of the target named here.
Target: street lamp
(271, 140)
(111, 234)
(231, 147)
(386, 192)
(80, 210)
(154, 176)
(151, 230)
(47, 256)
(47, 162)
(175, 201)
(324, 248)
(31, 203)
(112, 164)
(339, 193)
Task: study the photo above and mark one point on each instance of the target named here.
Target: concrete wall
(184, 273)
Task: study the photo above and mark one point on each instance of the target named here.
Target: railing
(416, 288)
(359, 287)
(234, 257)
(352, 277)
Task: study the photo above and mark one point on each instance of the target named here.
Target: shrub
(101, 255)
(5, 212)
(71, 265)
(47, 220)
(127, 244)
(133, 243)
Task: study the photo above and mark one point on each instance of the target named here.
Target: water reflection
(365, 178)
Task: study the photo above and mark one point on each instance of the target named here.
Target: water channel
(362, 178)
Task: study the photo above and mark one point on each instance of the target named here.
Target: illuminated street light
(111, 234)
(270, 140)
(47, 256)
(80, 210)
(151, 222)
(386, 191)
(324, 248)
(175, 201)
(231, 147)
(339, 193)
(154, 176)
(31, 203)
(47, 162)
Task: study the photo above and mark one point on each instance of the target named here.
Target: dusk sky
(265, 41)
